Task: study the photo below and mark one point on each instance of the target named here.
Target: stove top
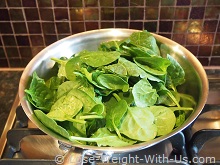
(23, 143)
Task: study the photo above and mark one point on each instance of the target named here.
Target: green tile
(167, 2)
(166, 13)
(106, 3)
(91, 14)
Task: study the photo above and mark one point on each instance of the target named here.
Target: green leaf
(40, 95)
(164, 119)
(113, 82)
(138, 124)
(51, 124)
(98, 58)
(103, 137)
(144, 94)
(175, 73)
(153, 65)
(116, 68)
(115, 115)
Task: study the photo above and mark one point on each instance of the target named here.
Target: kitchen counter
(9, 81)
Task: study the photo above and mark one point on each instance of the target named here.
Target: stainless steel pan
(196, 79)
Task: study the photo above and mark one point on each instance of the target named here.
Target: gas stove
(23, 143)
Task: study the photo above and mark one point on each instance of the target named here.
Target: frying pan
(196, 82)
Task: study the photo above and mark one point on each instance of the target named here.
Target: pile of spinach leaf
(121, 94)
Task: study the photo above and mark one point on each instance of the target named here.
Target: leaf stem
(116, 97)
(76, 121)
(91, 117)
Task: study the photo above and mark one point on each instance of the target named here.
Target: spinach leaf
(145, 39)
(113, 82)
(65, 108)
(114, 116)
(104, 58)
(175, 73)
(116, 68)
(144, 94)
(153, 65)
(62, 65)
(103, 137)
(40, 95)
(164, 119)
(51, 124)
(138, 124)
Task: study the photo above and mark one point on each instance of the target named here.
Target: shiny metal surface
(196, 79)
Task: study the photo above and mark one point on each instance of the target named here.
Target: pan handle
(74, 156)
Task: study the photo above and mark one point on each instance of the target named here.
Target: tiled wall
(27, 26)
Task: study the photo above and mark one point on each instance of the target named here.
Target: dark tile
(63, 27)
(77, 27)
(0, 41)
(193, 49)
(14, 3)
(207, 38)
(121, 14)
(183, 2)
(62, 36)
(210, 25)
(5, 28)
(204, 61)
(49, 39)
(198, 2)
(107, 25)
(179, 38)
(2, 53)
(150, 26)
(107, 13)
(25, 51)
(31, 14)
(48, 28)
(136, 25)
(213, 2)
(9, 40)
(16, 14)
(212, 12)
(29, 3)
(22, 40)
(3, 63)
(60, 3)
(15, 62)
(119, 24)
(4, 15)
(12, 52)
(215, 61)
(167, 35)
(192, 39)
(44, 3)
(197, 13)
(204, 50)
(37, 40)
(136, 13)
(136, 2)
(217, 38)
(122, 3)
(151, 13)
(75, 3)
(166, 13)
(216, 51)
(34, 27)
(61, 14)
(168, 3)
(92, 25)
(180, 26)
(19, 27)
(91, 3)
(165, 26)
(106, 3)
(36, 49)
(91, 14)
(46, 14)
(76, 14)
(152, 3)
(2, 3)
(181, 13)
(25, 61)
